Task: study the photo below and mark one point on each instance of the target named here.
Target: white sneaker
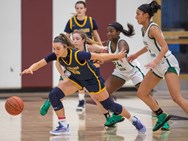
(60, 130)
(139, 126)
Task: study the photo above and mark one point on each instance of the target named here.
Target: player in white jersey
(124, 70)
(163, 65)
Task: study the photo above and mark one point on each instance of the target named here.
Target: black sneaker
(81, 106)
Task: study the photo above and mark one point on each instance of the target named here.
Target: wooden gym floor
(31, 126)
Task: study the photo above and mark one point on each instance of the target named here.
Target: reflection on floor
(31, 126)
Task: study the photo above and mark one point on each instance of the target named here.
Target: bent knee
(177, 99)
(142, 94)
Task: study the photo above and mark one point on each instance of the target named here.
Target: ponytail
(119, 27)
(150, 8)
(62, 38)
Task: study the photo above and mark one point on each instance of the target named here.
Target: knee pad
(55, 97)
(109, 104)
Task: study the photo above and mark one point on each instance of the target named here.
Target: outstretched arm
(137, 54)
(97, 48)
(102, 57)
(34, 67)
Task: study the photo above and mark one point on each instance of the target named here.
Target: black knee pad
(55, 97)
(109, 104)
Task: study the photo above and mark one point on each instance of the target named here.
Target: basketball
(14, 105)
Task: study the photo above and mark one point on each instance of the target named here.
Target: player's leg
(118, 109)
(148, 83)
(64, 88)
(81, 103)
(113, 83)
(166, 126)
(46, 106)
(173, 85)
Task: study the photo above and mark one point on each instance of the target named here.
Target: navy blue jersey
(83, 72)
(87, 25)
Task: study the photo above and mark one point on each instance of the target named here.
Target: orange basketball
(14, 105)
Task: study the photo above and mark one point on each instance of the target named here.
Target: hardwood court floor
(31, 126)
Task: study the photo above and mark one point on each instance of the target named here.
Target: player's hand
(131, 58)
(26, 71)
(105, 50)
(100, 62)
(121, 54)
(151, 64)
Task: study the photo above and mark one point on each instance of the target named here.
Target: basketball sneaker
(45, 107)
(162, 119)
(139, 126)
(80, 107)
(112, 120)
(61, 130)
(166, 127)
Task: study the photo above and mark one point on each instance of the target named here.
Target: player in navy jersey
(84, 22)
(163, 65)
(83, 74)
(89, 26)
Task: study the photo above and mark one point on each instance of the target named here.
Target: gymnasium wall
(28, 28)
(10, 44)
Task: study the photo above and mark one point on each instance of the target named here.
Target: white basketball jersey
(124, 65)
(151, 43)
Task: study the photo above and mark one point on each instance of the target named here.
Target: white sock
(132, 119)
(63, 121)
(81, 96)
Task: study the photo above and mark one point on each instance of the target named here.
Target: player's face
(59, 49)
(78, 41)
(140, 16)
(80, 9)
(112, 33)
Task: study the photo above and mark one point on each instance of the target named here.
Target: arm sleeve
(82, 55)
(50, 57)
(95, 26)
(67, 27)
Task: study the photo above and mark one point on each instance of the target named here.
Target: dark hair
(80, 2)
(120, 28)
(62, 38)
(150, 8)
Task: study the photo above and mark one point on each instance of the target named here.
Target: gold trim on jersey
(85, 20)
(91, 22)
(95, 77)
(76, 58)
(70, 61)
(98, 91)
(71, 24)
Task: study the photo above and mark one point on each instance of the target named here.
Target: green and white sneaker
(112, 120)
(162, 119)
(166, 127)
(45, 107)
